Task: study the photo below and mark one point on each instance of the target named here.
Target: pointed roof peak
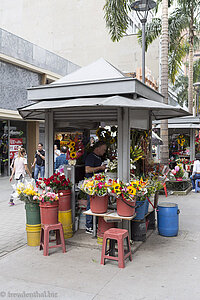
(98, 70)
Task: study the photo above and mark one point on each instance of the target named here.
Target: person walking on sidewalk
(39, 162)
(93, 164)
(19, 170)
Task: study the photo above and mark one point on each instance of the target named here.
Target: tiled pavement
(12, 221)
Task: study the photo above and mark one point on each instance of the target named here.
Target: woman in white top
(20, 168)
(196, 171)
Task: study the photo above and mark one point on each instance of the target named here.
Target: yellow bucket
(33, 235)
(65, 218)
(99, 240)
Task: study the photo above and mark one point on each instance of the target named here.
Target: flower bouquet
(46, 196)
(142, 190)
(26, 192)
(56, 182)
(178, 172)
(125, 195)
(75, 150)
(97, 188)
(48, 206)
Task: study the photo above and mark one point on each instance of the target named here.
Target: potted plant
(59, 184)
(48, 202)
(125, 194)
(97, 188)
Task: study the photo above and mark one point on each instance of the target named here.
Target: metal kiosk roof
(97, 93)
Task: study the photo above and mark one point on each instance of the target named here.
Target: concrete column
(49, 143)
(32, 140)
(123, 144)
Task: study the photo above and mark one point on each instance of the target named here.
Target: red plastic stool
(44, 238)
(116, 234)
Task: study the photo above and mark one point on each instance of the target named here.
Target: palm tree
(181, 84)
(164, 81)
(182, 25)
(116, 15)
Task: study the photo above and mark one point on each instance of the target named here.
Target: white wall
(74, 29)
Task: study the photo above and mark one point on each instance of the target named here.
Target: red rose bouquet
(56, 182)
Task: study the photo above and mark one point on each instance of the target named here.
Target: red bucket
(125, 208)
(103, 226)
(64, 200)
(49, 213)
(99, 204)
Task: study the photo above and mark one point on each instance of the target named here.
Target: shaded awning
(99, 108)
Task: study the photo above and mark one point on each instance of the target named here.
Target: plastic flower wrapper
(141, 187)
(97, 185)
(26, 191)
(124, 190)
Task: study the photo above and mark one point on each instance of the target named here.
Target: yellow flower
(116, 188)
(131, 190)
(71, 149)
(112, 141)
(73, 155)
(72, 144)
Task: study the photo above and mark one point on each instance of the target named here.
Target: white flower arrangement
(112, 165)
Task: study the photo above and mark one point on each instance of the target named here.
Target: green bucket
(32, 213)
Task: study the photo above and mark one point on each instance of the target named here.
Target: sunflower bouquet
(124, 190)
(75, 149)
(141, 186)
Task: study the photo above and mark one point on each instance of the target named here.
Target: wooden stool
(116, 234)
(44, 238)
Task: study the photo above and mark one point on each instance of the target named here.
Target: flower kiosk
(95, 96)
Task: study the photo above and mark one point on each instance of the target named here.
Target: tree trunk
(164, 81)
(190, 73)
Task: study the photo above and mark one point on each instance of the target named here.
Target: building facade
(22, 65)
(76, 30)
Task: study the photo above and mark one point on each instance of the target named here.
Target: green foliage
(181, 84)
(180, 33)
(116, 16)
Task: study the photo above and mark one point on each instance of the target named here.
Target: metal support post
(143, 21)
(49, 141)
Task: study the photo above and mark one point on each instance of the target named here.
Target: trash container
(168, 219)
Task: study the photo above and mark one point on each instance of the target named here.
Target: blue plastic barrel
(168, 219)
(147, 207)
(140, 209)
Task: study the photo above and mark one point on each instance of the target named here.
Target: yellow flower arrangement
(26, 192)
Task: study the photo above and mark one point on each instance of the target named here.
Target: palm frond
(116, 16)
(152, 31)
(176, 56)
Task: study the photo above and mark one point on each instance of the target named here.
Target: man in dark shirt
(93, 164)
(61, 159)
(39, 162)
